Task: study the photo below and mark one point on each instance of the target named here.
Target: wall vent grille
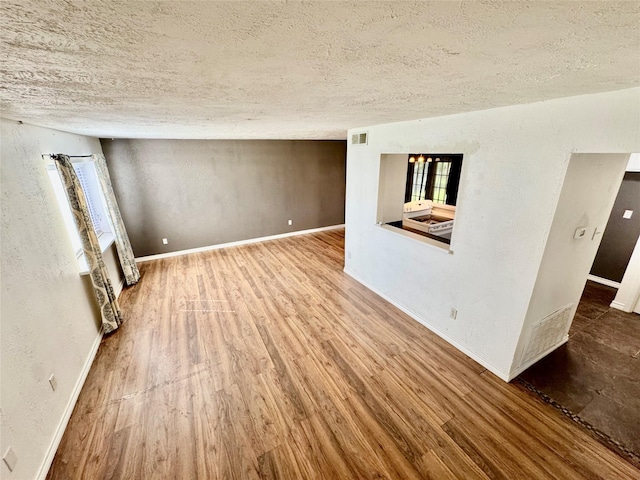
(359, 138)
(548, 332)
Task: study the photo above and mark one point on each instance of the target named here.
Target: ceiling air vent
(359, 138)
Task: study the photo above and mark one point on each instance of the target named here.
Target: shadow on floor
(595, 376)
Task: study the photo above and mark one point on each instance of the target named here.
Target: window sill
(106, 240)
(439, 244)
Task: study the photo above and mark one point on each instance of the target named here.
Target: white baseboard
(603, 281)
(118, 289)
(236, 244)
(523, 367)
(474, 356)
(618, 306)
(75, 393)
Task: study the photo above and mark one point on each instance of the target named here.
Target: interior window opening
(430, 193)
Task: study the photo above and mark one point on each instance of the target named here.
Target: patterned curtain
(111, 316)
(127, 260)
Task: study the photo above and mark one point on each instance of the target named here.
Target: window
(440, 182)
(85, 170)
(419, 182)
(428, 178)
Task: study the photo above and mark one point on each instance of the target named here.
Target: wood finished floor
(267, 361)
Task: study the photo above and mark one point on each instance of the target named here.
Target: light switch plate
(10, 459)
(627, 214)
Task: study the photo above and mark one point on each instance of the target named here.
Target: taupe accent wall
(198, 193)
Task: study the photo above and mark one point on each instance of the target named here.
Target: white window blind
(87, 177)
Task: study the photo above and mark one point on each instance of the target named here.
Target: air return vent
(359, 138)
(546, 334)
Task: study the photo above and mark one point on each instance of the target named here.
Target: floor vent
(359, 138)
(548, 332)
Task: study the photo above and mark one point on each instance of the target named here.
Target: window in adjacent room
(428, 178)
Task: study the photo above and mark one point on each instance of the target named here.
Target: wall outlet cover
(165, 241)
(10, 459)
(53, 382)
(580, 233)
(627, 214)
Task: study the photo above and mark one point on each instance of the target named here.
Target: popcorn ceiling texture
(299, 70)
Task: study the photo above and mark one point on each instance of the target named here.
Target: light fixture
(438, 159)
(429, 159)
(421, 158)
(412, 159)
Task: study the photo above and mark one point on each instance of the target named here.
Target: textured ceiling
(259, 69)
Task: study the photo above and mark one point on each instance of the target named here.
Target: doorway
(595, 376)
(621, 234)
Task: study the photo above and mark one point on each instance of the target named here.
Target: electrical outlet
(290, 222)
(165, 241)
(10, 459)
(453, 313)
(53, 382)
(580, 233)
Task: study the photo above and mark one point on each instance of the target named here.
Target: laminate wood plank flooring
(266, 361)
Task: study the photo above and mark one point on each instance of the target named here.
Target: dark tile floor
(596, 374)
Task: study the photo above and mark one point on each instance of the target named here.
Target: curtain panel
(109, 308)
(123, 245)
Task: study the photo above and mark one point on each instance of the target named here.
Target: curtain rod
(70, 156)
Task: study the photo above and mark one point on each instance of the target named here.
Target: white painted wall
(588, 192)
(49, 320)
(515, 159)
(393, 179)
